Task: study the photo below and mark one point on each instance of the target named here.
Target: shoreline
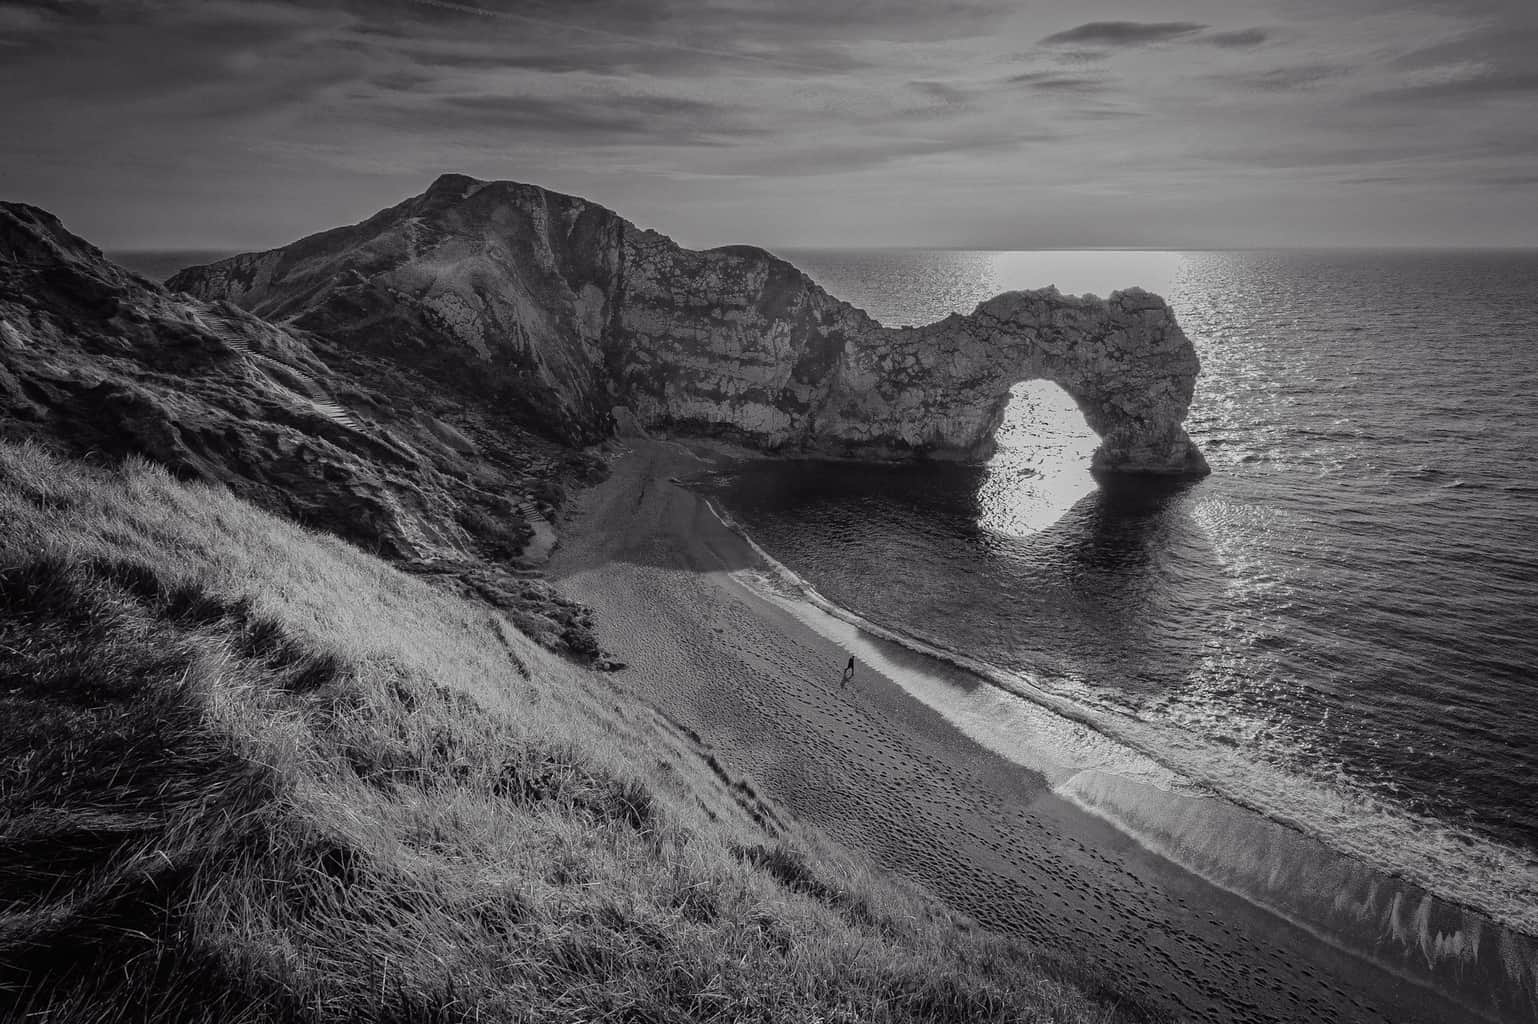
(781, 584)
(1206, 910)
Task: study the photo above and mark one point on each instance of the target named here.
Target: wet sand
(1187, 904)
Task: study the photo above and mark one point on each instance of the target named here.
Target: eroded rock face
(560, 309)
(502, 293)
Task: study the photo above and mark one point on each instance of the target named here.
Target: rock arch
(941, 390)
(736, 340)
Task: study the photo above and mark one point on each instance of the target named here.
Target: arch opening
(1041, 465)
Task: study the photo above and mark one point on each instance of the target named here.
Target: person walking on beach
(848, 673)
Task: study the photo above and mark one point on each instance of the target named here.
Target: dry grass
(249, 773)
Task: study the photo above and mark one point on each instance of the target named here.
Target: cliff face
(559, 309)
(503, 293)
(97, 362)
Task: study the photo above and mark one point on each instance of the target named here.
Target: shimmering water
(1338, 628)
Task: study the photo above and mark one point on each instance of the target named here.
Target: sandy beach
(1187, 904)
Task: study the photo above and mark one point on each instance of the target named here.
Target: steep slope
(559, 309)
(251, 774)
(503, 297)
(95, 361)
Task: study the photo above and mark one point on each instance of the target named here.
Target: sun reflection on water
(1041, 468)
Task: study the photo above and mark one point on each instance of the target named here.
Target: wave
(1074, 738)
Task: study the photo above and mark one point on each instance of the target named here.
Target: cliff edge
(557, 310)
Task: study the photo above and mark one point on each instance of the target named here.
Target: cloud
(244, 111)
(1103, 113)
(733, 28)
(1053, 81)
(33, 13)
(22, 19)
(1243, 38)
(610, 35)
(844, 155)
(605, 119)
(1282, 79)
(1123, 33)
(20, 26)
(942, 91)
(1497, 83)
(1488, 57)
(1511, 180)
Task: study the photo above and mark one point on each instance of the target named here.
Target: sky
(1000, 124)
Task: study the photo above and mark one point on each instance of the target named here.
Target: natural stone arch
(735, 339)
(942, 389)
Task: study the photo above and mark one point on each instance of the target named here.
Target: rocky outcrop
(555, 310)
(96, 362)
(502, 294)
(944, 387)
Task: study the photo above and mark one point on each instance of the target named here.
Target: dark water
(1339, 628)
(157, 264)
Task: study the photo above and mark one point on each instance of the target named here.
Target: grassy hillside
(249, 773)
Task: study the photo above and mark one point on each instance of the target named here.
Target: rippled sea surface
(1338, 628)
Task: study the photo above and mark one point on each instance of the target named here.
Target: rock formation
(97, 362)
(556, 310)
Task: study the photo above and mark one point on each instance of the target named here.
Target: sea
(1337, 629)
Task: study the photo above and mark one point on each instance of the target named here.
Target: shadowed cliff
(97, 362)
(558, 309)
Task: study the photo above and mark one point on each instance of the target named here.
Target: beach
(1188, 905)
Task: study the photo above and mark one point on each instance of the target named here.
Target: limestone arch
(941, 390)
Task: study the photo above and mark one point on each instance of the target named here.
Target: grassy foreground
(249, 773)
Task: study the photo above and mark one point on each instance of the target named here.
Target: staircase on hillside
(531, 512)
(544, 540)
(219, 326)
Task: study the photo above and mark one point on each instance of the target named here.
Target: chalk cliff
(559, 310)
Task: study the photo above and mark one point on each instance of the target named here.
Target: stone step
(337, 414)
(220, 327)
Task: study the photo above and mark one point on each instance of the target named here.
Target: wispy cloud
(1053, 81)
(1493, 83)
(605, 118)
(1239, 39)
(252, 121)
(1123, 33)
(943, 92)
(1283, 79)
